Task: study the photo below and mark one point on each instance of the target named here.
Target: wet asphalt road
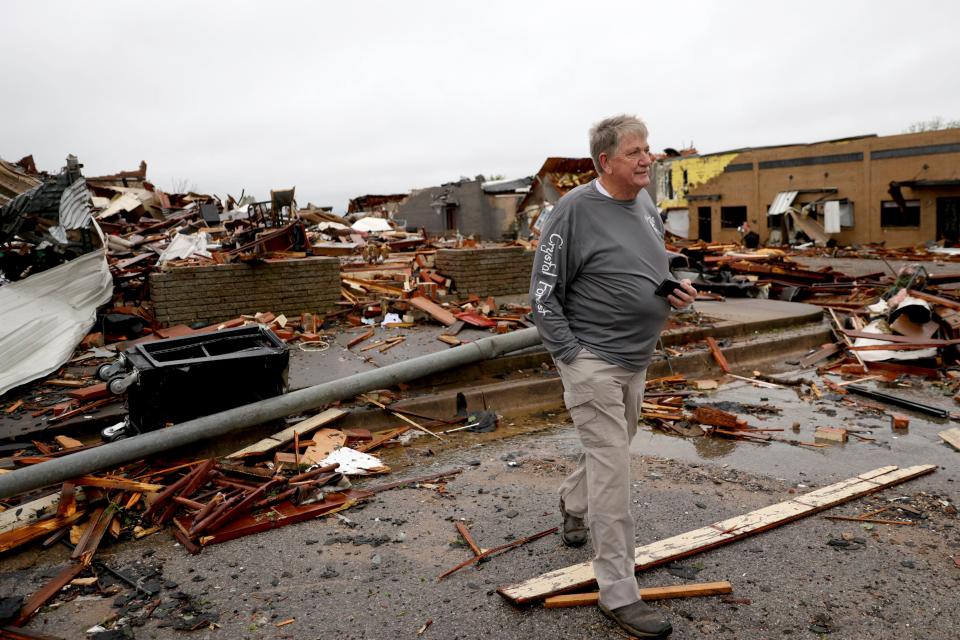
(373, 573)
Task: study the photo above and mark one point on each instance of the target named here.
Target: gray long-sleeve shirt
(597, 265)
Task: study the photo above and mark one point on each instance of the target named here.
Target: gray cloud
(386, 96)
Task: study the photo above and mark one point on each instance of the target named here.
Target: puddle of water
(918, 445)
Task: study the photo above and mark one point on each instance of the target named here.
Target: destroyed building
(899, 190)
(471, 207)
(555, 178)
(385, 205)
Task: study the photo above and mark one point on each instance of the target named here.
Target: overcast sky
(345, 99)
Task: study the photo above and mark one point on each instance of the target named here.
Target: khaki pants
(604, 401)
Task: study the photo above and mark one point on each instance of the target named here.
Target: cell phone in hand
(667, 287)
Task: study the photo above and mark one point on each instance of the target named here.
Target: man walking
(599, 262)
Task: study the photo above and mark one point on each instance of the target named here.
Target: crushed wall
(487, 272)
(184, 295)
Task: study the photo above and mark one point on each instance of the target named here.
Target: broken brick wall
(183, 295)
(487, 272)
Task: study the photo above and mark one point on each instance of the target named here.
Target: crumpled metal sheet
(45, 316)
(75, 205)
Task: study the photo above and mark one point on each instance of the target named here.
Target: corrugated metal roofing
(782, 202)
(75, 205)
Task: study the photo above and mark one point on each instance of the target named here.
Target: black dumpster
(178, 379)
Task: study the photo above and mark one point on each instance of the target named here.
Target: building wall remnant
(183, 295)
(494, 271)
(865, 175)
(462, 207)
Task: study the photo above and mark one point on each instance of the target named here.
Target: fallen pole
(897, 401)
(218, 424)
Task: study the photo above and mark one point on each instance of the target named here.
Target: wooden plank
(718, 355)
(41, 528)
(49, 590)
(67, 442)
(281, 438)
(434, 310)
(454, 329)
(580, 576)
(379, 439)
(647, 594)
(115, 482)
(363, 336)
(951, 437)
(825, 352)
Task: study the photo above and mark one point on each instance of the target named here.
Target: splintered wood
(718, 355)
(580, 576)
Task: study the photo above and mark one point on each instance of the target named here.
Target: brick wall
(487, 272)
(211, 294)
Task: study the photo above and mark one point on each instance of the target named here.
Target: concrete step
(532, 389)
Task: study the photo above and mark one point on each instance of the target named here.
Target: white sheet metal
(678, 222)
(45, 316)
(831, 216)
(782, 202)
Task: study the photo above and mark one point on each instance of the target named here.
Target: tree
(935, 123)
(182, 185)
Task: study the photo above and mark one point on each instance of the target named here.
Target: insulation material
(184, 246)
(45, 316)
(880, 327)
(355, 463)
(371, 225)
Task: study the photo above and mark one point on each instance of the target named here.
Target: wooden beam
(49, 590)
(434, 310)
(304, 427)
(647, 594)
(580, 576)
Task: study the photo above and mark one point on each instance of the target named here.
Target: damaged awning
(781, 204)
(44, 317)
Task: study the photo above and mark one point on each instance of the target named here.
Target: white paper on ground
(355, 463)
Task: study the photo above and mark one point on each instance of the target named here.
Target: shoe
(574, 532)
(639, 619)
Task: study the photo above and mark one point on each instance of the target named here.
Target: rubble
(387, 284)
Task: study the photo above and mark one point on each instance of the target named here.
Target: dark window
(732, 217)
(892, 216)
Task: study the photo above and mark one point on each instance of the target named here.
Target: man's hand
(682, 298)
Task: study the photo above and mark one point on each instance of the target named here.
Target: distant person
(600, 259)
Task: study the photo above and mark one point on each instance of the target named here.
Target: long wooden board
(580, 577)
(952, 437)
(435, 311)
(647, 594)
(281, 438)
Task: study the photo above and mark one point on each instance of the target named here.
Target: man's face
(629, 166)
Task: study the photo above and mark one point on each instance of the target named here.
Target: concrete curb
(522, 397)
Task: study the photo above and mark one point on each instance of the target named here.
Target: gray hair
(605, 135)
